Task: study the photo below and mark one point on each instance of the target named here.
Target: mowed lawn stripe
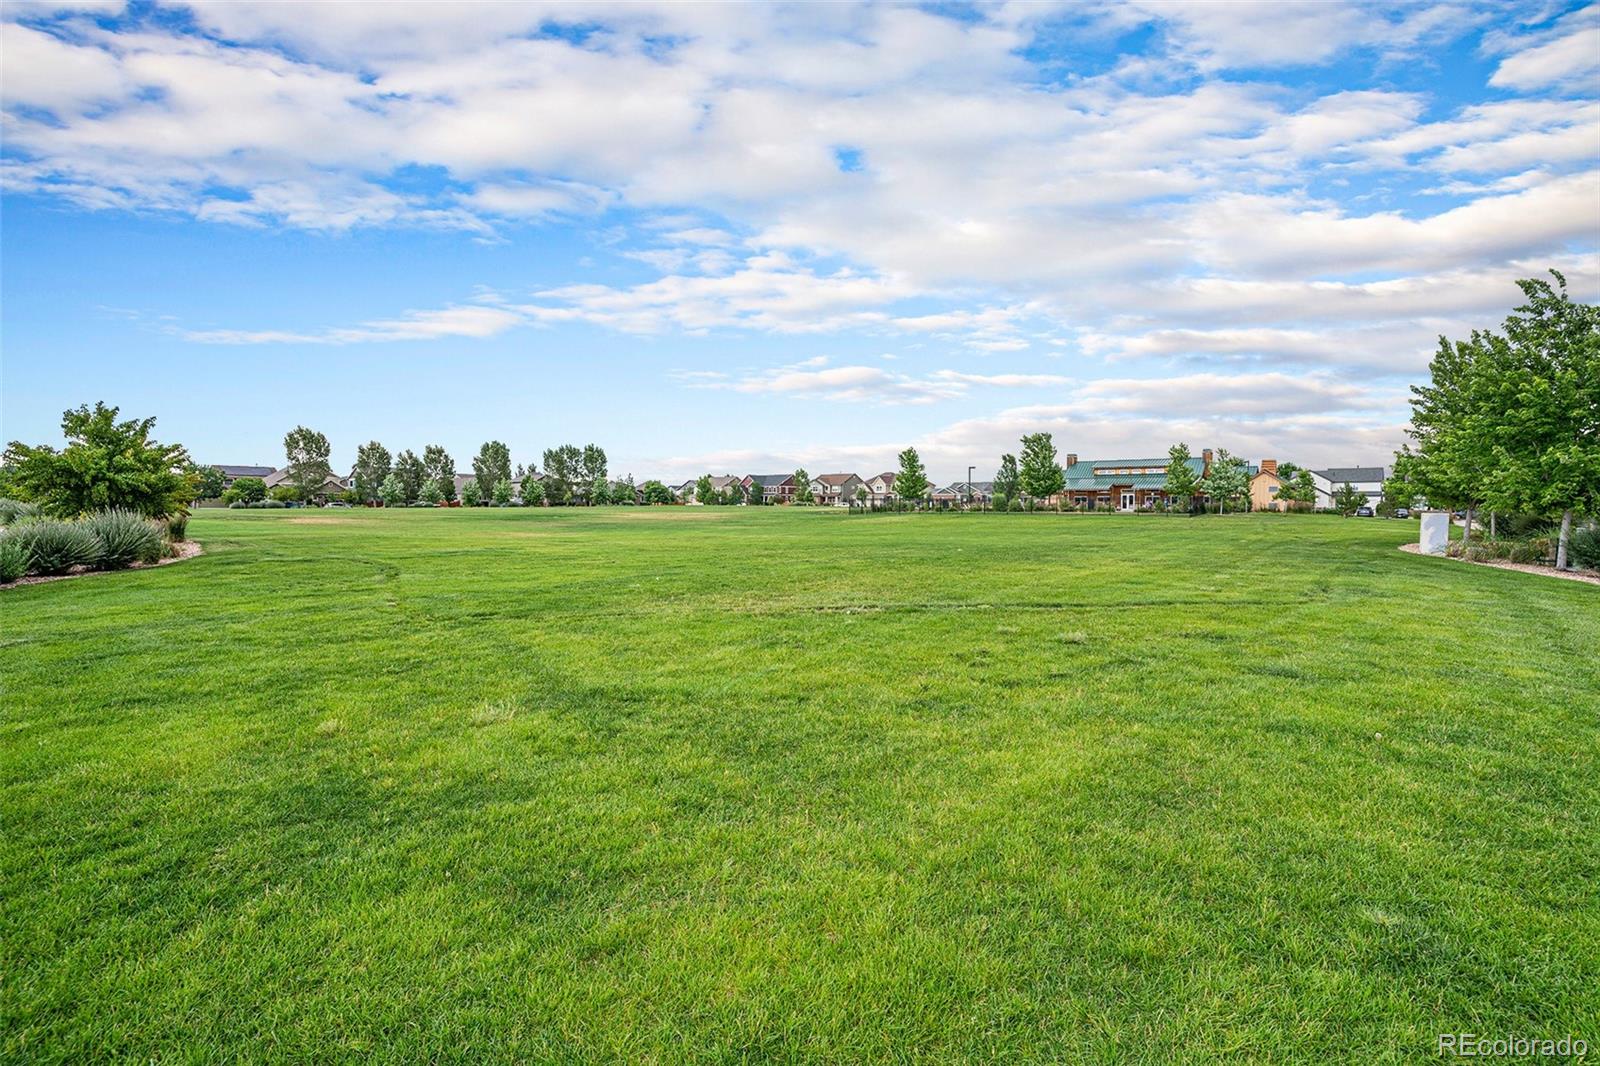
(721, 784)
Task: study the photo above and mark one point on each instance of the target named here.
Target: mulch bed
(186, 550)
(1590, 577)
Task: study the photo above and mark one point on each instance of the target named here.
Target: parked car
(1363, 512)
(1402, 512)
(336, 503)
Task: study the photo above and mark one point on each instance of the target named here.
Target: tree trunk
(1566, 535)
(1493, 534)
(1466, 534)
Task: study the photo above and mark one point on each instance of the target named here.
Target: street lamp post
(969, 486)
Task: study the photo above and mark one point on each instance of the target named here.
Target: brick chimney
(1072, 459)
(1269, 466)
(1205, 457)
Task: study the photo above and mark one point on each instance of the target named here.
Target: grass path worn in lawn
(711, 784)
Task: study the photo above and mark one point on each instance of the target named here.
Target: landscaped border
(1590, 577)
(187, 549)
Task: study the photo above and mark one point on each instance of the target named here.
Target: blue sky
(740, 238)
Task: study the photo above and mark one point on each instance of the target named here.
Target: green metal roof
(1081, 475)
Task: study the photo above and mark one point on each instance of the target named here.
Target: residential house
(880, 489)
(965, 493)
(1367, 480)
(836, 490)
(777, 488)
(1267, 485)
(331, 489)
(1121, 484)
(683, 490)
(230, 474)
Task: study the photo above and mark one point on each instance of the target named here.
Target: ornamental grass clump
(13, 511)
(123, 538)
(13, 558)
(54, 547)
(177, 528)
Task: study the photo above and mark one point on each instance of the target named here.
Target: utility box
(1435, 536)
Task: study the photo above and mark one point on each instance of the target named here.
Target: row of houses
(1090, 484)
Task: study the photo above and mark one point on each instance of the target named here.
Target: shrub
(1522, 551)
(54, 547)
(1583, 549)
(1544, 547)
(1477, 553)
(13, 558)
(123, 538)
(1500, 549)
(177, 528)
(13, 510)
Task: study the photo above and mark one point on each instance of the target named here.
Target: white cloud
(1568, 57)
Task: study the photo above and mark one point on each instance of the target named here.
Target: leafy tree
(655, 492)
(246, 490)
(532, 491)
(1346, 498)
(1451, 428)
(1040, 475)
(600, 493)
(432, 494)
(911, 481)
(1181, 485)
(1297, 489)
(563, 467)
(471, 494)
(393, 491)
(502, 492)
(106, 465)
(624, 492)
(373, 464)
(306, 452)
(439, 468)
(1289, 471)
(594, 471)
(1398, 492)
(703, 492)
(209, 482)
(491, 466)
(1538, 390)
(802, 487)
(411, 472)
(861, 496)
(1228, 481)
(1007, 482)
(286, 493)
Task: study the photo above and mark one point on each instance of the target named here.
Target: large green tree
(704, 493)
(1007, 482)
(1539, 399)
(306, 458)
(593, 465)
(491, 466)
(563, 469)
(911, 481)
(209, 482)
(393, 491)
(1040, 475)
(439, 468)
(106, 464)
(1228, 481)
(373, 464)
(1182, 484)
(802, 486)
(655, 492)
(245, 490)
(1347, 498)
(1452, 429)
(411, 472)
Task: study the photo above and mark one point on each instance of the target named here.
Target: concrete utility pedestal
(1435, 536)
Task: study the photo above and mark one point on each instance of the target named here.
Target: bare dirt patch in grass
(1587, 576)
(186, 550)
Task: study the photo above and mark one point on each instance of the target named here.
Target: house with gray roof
(1367, 480)
(776, 488)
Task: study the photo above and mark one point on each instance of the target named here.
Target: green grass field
(731, 785)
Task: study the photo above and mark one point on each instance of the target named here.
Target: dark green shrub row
(256, 505)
